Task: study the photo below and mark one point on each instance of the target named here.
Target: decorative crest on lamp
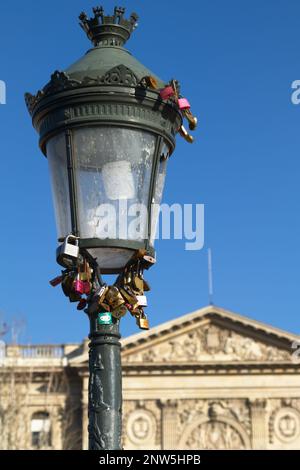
(108, 30)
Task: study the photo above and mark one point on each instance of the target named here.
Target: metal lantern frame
(119, 98)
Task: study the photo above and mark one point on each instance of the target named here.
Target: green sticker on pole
(105, 318)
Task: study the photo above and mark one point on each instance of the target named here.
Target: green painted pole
(105, 386)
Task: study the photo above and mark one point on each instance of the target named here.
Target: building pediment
(210, 335)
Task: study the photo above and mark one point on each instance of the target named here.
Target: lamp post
(107, 126)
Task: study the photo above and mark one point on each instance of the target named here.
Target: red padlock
(183, 103)
(55, 282)
(82, 304)
(166, 92)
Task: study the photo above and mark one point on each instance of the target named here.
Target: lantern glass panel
(57, 160)
(158, 191)
(113, 174)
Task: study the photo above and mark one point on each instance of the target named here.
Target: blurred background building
(210, 379)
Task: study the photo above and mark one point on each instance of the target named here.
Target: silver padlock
(67, 253)
(142, 301)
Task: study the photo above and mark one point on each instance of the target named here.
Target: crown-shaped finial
(108, 30)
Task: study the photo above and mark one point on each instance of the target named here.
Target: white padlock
(142, 301)
(67, 253)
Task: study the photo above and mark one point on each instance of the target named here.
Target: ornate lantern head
(107, 126)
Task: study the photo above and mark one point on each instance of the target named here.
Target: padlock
(67, 253)
(84, 271)
(78, 286)
(193, 121)
(82, 304)
(105, 307)
(67, 283)
(166, 92)
(149, 81)
(74, 297)
(142, 300)
(94, 306)
(83, 276)
(129, 297)
(56, 281)
(129, 308)
(148, 261)
(138, 284)
(183, 103)
(101, 298)
(101, 293)
(87, 287)
(118, 302)
(146, 287)
(82, 287)
(113, 297)
(137, 279)
(119, 312)
(183, 132)
(142, 321)
(127, 278)
(102, 302)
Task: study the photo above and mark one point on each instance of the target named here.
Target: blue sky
(236, 61)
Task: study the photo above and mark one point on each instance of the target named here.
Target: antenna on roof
(210, 278)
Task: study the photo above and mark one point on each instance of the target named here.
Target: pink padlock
(166, 93)
(79, 287)
(183, 103)
(86, 287)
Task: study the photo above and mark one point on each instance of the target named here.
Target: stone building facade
(210, 379)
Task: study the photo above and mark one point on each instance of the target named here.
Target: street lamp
(107, 126)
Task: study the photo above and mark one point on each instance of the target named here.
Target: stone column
(259, 424)
(168, 424)
(56, 429)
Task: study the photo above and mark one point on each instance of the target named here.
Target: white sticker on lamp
(118, 180)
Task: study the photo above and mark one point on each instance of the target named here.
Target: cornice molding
(211, 368)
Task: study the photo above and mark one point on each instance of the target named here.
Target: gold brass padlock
(129, 297)
(119, 312)
(113, 297)
(138, 278)
(102, 294)
(193, 121)
(105, 306)
(84, 272)
(142, 321)
(102, 299)
(138, 283)
(184, 133)
(127, 278)
(149, 81)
